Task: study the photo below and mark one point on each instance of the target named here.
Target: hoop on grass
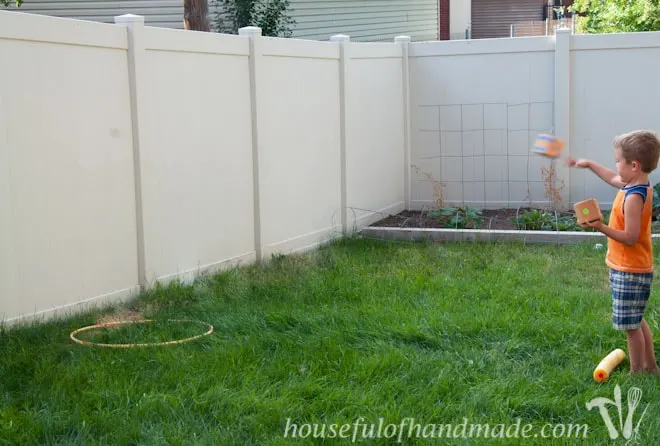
(153, 344)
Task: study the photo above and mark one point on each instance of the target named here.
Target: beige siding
(365, 20)
(161, 13)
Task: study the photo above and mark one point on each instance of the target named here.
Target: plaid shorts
(630, 296)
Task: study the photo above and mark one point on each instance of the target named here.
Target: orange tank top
(639, 257)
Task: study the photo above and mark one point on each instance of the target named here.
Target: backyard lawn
(382, 338)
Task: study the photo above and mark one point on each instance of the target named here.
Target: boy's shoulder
(642, 189)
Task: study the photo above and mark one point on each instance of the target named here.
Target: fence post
(344, 57)
(254, 34)
(135, 28)
(563, 105)
(404, 41)
(8, 286)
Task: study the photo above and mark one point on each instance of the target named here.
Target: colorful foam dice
(548, 145)
(587, 211)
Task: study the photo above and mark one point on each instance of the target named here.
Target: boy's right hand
(582, 163)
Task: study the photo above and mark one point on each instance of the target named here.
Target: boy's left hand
(597, 225)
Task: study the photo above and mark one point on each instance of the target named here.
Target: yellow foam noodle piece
(609, 363)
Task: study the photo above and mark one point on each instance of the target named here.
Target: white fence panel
(476, 108)
(196, 152)
(298, 121)
(375, 153)
(67, 206)
(614, 86)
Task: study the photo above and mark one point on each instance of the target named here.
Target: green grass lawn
(359, 333)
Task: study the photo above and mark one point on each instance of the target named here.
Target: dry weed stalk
(552, 191)
(438, 192)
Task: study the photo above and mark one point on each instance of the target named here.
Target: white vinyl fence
(478, 105)
(131, 154)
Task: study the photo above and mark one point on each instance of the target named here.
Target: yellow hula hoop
(154, 344)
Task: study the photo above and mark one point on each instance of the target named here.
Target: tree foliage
(272, 16)
(615, 16)
(8, 3)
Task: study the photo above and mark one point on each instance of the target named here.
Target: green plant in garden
(606, 216)
(459, 217)
(540, 220)
(535, 220)
(656, 196)
(566, 223)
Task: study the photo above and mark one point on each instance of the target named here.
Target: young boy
(630, 254)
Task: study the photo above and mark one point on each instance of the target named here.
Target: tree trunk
(195, 15)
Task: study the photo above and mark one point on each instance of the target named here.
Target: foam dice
(548, 145)
(587, 211)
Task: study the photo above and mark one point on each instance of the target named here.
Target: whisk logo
(627, 431)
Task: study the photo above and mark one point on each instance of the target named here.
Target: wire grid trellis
(445, 154)
(424, 220)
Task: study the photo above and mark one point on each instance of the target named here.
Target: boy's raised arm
(607, 175)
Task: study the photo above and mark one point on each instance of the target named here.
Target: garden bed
(471, 218)
(528, 219)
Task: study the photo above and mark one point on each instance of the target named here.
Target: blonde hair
(642, 146)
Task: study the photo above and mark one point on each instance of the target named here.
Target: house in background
(482, 19)
(366, 20)
(363, 20)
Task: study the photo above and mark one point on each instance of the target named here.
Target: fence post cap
(129, 18)
(250, 31)
(340, 38)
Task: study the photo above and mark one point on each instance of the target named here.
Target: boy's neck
(641, 178)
